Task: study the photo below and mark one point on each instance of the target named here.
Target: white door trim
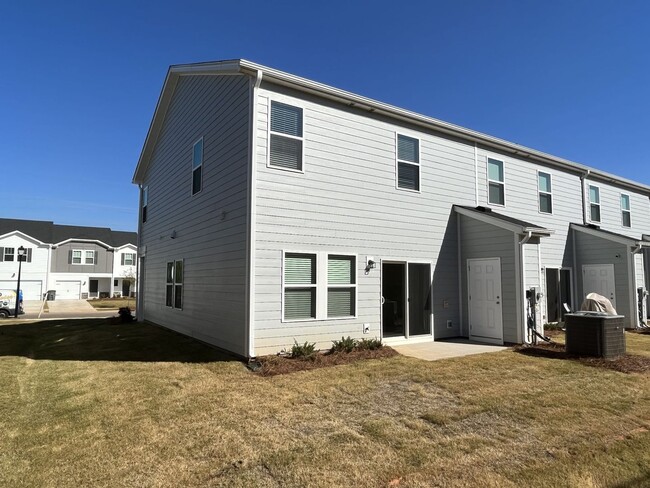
(492, 340)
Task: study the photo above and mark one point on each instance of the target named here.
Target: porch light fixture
(21, 257)
(370, 265)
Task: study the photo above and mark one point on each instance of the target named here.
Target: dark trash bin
(50, 295)
(595, 334)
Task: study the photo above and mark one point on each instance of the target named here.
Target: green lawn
(85, 403)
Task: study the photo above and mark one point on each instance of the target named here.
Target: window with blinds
(408, 163)
(341, 286)
(626, 212)
(594, 203)
(299, 286)
(496, 182)
(545, 192)
(285, 138)
(309, 294)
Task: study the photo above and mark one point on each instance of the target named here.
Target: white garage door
(67, 290)
(32, 289)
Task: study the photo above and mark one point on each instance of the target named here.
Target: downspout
(583, 178)
(249, 321)
(139, 282)
(635, 283)
(522, 255)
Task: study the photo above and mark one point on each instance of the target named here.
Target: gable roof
(51, 233)
(504, 221)
(260, 72)
(610, 236)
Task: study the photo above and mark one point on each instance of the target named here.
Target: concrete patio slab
(445, 349)
(69, 306)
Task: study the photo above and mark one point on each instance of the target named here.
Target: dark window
(145, 203)
(408, 163)
(174, 285)
(285, 146)
(197, 166)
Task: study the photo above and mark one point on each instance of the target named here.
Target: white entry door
(485, 299)
(599, 278)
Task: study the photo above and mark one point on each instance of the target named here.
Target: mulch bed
(275, 365)
(630, 363)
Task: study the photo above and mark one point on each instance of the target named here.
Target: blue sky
(79, 80)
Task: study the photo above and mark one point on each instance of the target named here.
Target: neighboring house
(77, 262)
(276, 208)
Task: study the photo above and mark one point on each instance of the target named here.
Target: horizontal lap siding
(522, 202)
(611, 215)
(480, 240)
(210, 227)
(594, 250)
(346, 201)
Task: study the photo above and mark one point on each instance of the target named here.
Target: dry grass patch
(85, 403)
(113, 303)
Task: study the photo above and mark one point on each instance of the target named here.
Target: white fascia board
(24, 236)
(132, 246)
(620, 239)
(96, 241)
(497, 222)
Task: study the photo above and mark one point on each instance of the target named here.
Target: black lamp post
(21, 258)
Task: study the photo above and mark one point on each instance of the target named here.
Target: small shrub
(125, 315)
(369, 344)
(303, 351)
(346, 344)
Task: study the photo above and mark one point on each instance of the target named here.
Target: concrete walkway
(69, 306)
(450, 348)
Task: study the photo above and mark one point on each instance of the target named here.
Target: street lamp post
(21, 258)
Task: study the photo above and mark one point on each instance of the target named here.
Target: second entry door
(599, 278)
(485, 299)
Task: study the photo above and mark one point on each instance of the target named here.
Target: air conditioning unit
(595, 334)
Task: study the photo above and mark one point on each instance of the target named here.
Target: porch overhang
(517, 226)
(637, 244)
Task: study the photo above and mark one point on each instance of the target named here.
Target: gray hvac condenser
(595, 334)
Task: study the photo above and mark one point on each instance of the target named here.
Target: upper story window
(594, 203)
(285, 138)
(128, 259)
(197, 166)
(76, 256)
(544, 187)
(408, 163)
(90, 257)
(496, 182)
(626, 214)
(9, 254)
(145, 202)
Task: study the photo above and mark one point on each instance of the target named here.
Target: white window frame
(86, 251)
(282, 134)
(145, 203)
(624, 211)
(131, 257)
(321, 285)
(502, 183)
(12, 254)
(173, 284)
(600, 209)
(403, 161)
(81, 257)
(199, 167)
(540, 192)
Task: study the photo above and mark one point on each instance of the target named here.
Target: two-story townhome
(77, 262)
(275, 208)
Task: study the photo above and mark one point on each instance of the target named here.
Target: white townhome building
(76, 262)
(276, 208)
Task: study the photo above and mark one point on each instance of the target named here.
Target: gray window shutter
(70, 256)
(2, 254)
(96, 256)
(122, 259)
(29, 254)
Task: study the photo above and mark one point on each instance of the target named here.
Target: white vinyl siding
(626, 211)
(408, 163)
(545, 190)
(496, 182)
(594, 203)
(197, 166)
(285, 139)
